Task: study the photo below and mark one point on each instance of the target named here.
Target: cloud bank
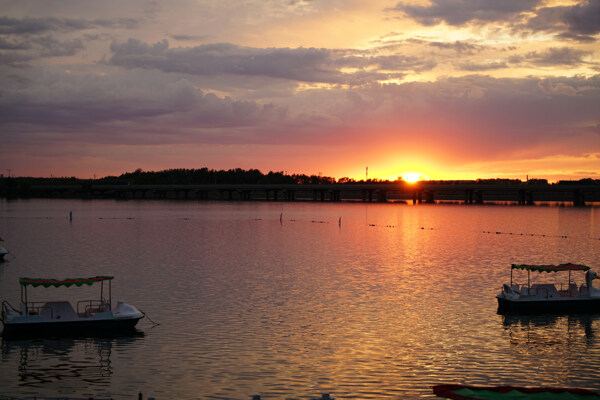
(455, 81)
(300, 64)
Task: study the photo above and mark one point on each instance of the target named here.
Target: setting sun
(412, 177)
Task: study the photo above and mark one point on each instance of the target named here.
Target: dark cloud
(477, 67)
(487, 116)
(552, 56)
(19, 55)
(184, 38)
(28, 25)
(554, 87)
(580, 22)
(461, 47)
(120, 111)
(497, 116)
(459, 12)
(50, 47)
(563, 56)
(15, 60)
(457, 120)
(576, 38)
(26, 39)
(13, 45)
(300, 64)
(583, 19)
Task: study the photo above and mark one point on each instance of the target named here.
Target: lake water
(291, 300)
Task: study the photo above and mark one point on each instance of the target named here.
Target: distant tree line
(203, 176)
(20, 186)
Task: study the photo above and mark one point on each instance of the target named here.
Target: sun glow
(412, 177)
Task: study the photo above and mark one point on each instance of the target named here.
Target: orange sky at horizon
(457, 90)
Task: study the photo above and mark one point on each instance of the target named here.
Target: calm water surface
(393, 300)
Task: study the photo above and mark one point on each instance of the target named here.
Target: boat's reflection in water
(548, 332)
(65, 362)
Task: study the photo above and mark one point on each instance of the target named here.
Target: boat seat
(545, 290)
(58, 310)
(573, 290)
(93, 310)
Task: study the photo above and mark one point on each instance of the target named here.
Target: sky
(446, 89)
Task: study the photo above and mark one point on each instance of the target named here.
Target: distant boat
(463, 392)
(3, 251)
(545, 297)
(60, 318)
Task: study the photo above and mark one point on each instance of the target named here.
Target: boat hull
(82, 327)
(562, 305)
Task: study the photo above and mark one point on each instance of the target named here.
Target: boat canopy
(552, 268)
(35, 282)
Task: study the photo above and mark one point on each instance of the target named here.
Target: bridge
(421, 192)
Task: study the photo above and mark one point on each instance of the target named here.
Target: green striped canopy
(35, 282)
(552, 268)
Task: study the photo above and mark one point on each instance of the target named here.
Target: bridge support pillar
(318, 194)
(245, 195)
(469, 196)
(578, 198)
(429, 197)
(525, 197)
(226, 194)
(335, 195)
(479, 197)
(529, 198)
(417, 197)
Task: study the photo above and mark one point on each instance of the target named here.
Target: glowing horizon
(478, 91)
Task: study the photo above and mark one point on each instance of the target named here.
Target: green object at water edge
(461, 392)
